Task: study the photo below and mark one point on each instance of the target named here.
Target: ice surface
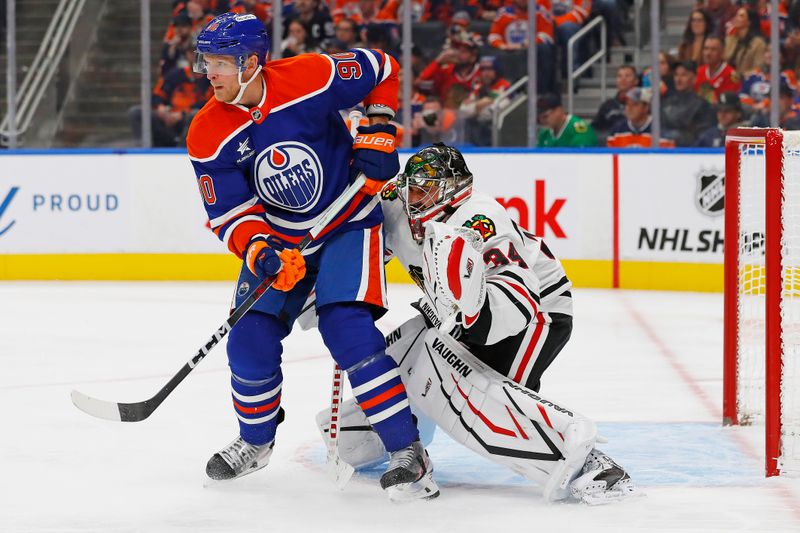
(646, 365)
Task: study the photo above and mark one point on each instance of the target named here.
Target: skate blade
(211, 482)
(423, 489)
(598, 495)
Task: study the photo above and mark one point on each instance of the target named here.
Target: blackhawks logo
(483, 225)
(389, 192)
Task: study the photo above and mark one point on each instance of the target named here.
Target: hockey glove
(266, 257)
(454, 271)
(375, 155)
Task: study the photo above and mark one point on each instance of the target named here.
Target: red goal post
(761, 381)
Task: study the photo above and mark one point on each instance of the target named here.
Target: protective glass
(216, 65)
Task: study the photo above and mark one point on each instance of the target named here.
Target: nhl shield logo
(710, 194)
(289, 175)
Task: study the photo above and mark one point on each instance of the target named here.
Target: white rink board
(102, 204)
(148, 203)
(661, 218)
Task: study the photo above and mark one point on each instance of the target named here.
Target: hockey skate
(410, 475)
(238, 459)
(601, 481)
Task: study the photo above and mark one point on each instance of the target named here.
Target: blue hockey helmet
(234, 35)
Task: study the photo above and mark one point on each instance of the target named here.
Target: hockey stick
(138, 411)
(337, 469)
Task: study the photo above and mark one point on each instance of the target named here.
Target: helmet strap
(243, 85)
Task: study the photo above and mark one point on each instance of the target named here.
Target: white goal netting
(751, 368)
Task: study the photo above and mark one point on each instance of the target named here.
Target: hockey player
(271, 152)
(497, 310)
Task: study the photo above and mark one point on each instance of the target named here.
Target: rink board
(644, 220)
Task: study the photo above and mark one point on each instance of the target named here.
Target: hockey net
(762, 289)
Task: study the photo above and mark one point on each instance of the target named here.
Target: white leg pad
(492, 415)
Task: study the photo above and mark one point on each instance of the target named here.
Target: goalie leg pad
(496, 417)
(357, 443)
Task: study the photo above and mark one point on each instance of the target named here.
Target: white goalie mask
(434, 182)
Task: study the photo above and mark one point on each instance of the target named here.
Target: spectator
(433, 124)
(317, 21)
(259, 8)
(509, 31)
(634, 131)
(176, 98)
(764, 10)
(744, 48)
(457, 64)
(667, 84)
(559, 129)
(721, 12)
(755, 89)
(684, 114)
(297, 41)
(459, 30)
(476, 109)
(173, 50)
(363, 12)
(612, 13)
(613, 109)
(788, 118)
(392, 11)
(729, 115)
(698, 27)
(197, 11)
(376, 36)
(715, 76)
(568, 17)
(347, 32)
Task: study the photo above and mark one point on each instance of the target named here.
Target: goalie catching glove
(375, 155)
(454, 271)
(266, 256)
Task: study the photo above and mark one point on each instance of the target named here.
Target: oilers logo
(289, 175)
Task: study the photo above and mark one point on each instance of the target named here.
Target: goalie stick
(138, 411)
(338, 470)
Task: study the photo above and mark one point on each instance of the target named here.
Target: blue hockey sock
(349, 332)
(382, 396)
(256, 404)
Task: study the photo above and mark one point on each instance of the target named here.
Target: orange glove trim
(252, 253)
(372, 187)
(293, 270)
(381, 141)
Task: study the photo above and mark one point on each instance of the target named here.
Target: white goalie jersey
(527, 291)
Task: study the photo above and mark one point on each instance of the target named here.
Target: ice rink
(646, 365)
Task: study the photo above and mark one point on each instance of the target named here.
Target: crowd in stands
(716, 78)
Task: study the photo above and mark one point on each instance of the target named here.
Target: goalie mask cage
(761, 380)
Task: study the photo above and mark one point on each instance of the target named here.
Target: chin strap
(243, 86)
